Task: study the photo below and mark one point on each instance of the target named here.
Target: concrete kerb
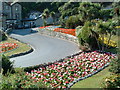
(22, 53)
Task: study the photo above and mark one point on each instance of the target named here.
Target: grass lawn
(94, 81)
(22, 47)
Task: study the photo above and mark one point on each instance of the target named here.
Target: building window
(16, 8)
(17, 16)
(6, 7)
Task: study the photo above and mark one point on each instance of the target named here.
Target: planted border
(42, 69)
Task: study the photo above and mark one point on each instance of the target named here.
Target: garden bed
(64, 73)
(22, 47)
(7, 47)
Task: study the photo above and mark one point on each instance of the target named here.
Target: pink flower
(63, 87)
(75, 75)
(66, 82)
(33, 77)
(38, 72)
(45, 80)
(27, 73)
(71, 70)
(45, 74)
(54, 73)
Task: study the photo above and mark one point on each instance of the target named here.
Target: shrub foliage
(7, 65)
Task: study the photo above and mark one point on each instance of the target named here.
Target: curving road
(46, 49)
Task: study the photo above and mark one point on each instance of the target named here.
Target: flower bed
(61, 74)
(43, 27)
(67, 31)
(7, 47)
(111, 43)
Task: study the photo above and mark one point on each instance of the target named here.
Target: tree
(46, 12)
(101, 28)
(68, 9)
(44, 16)
(86, 36)
(111, 30)
(89, 11)
(44, 20)
(73, 21)
(116, 8)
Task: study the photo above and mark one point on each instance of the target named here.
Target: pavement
(46, 49)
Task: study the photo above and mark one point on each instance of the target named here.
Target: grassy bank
(94, 81)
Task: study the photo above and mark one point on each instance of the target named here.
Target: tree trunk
(98, 42)
(103, 43)
(109, 39)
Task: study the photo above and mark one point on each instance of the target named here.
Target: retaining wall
(64, 36)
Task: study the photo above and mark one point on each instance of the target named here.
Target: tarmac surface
(46, 49)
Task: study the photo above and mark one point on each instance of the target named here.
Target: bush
(111, 82)
(114, 80)
(72, 22)
(20, 80)
(4, 37)
(7, 65)
(115, 66)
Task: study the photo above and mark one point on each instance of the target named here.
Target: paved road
(46, 49)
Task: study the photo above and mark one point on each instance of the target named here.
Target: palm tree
(46, 12)
(87, 36)
(45, 15)
(52, 14)
(44, 19)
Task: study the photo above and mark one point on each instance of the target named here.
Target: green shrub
(115, 66)
(111, 82)
(2, 36)
(72, 22)
(7, 65)
(20, 80)
(87, 37)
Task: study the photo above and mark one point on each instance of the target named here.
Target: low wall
(58, 35)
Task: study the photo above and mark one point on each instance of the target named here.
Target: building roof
(28, 19)
(11, 3)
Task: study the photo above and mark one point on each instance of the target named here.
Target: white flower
(79, 72)
(64, 83)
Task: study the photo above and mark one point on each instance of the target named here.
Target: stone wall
(58, 35)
